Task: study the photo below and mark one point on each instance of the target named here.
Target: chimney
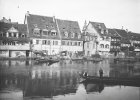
(127, 30)
(54, 19)
(9, 20)
(27, 14)
(122, 27)
(4, 18)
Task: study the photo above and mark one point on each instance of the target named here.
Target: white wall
(51, 49)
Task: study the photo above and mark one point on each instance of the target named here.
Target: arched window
(101, 45)
(106, 46)
(36, 31)
(66, 34)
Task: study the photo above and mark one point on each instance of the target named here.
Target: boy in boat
(85, 74)
(101, 72)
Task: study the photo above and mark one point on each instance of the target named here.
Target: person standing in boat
(101, 72)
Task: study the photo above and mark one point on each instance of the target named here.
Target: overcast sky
(114, 13)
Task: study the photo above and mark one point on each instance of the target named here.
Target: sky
(114, 13)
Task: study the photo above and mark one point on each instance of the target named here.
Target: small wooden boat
(43, 60)
(132, 81)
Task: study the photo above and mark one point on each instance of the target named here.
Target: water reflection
(58, 79)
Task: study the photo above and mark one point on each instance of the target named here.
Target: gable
(12, 30)
(91, 30)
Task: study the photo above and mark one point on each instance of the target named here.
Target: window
(79, 43)
(63, 42)
(71, 43)
(87, 44)
(75, 43)
(36, 31)
(1, 34)
(67, 42)
(22, 35)
(72, 35)
(79, 36)
(76, 34)
(15, 34)
(49, 42)
(101, 46)
(44, 42)
(55, 42)
(10, 34)
(66, 34)
(106, 46)
(53, 33)
(45, 32)
(37, 41)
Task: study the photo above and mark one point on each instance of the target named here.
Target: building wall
(4, 53)
(15, 47)
(90, 48)
(51, 49)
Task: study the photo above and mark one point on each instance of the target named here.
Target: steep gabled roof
(134, 36)
(124, 36)
(122, 33)
(41, 22)
(113, 33)
(70, 27)
(22, 28)
(99, 26)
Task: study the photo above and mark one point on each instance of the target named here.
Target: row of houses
(52, 36)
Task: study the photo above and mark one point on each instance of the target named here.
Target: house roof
(41, 22)
(99, 26)
(124, 36)
(71, 27)
(134, 36)
(22, 28)
(121, 32)
(52, 24)
(113, 33)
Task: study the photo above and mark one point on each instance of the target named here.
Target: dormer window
(102, 31)
(79, 36)
(72, 35)
(53, 32)
(66, 34)
(45, 32)
(36, 31)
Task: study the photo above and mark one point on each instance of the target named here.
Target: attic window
(72, 35)
(45, 32)
(79, 36)
(36, 31)
(53, 32)
(47, 26)
(66, 34)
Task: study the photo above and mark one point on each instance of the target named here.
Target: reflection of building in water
(15, 63)
(37, 82)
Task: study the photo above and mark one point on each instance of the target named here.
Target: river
(28, 80)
